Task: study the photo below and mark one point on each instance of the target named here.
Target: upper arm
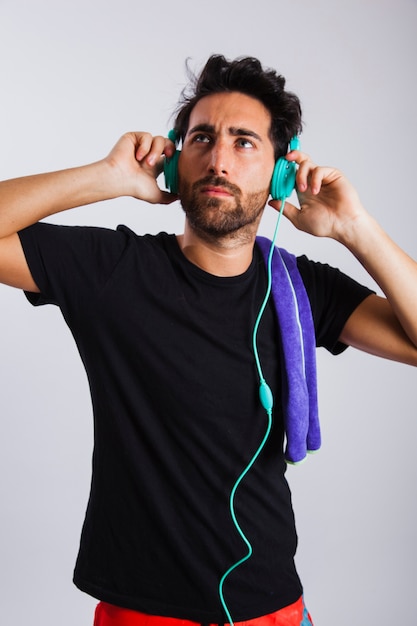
(373, 328)
(14, 270)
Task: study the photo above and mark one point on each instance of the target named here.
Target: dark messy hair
(247, 76)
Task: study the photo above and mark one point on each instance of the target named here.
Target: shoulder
(327, 280)
(58, 238)
(333, 297)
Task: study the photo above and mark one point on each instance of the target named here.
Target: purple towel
(298, 345)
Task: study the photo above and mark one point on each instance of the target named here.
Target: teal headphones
(282, 181)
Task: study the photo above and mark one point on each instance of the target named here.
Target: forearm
(130, 169)
(391, 268)
(330, 207)
(24, 201)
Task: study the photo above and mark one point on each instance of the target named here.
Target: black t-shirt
(168, 353)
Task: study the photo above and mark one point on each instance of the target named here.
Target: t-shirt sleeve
(70, 263)
(333, 297)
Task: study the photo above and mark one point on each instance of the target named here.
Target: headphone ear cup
(283, 179)
(171, 172)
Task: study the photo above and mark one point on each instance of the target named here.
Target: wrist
(109, 178)
(359, 233)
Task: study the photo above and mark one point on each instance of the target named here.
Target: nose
(219, 163)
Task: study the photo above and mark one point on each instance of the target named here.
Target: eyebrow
(233, 130)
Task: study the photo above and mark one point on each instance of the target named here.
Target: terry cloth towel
(298, 344)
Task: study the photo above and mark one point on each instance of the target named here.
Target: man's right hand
(137, 160)
(131, 169)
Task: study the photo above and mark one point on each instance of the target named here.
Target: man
(164, 328)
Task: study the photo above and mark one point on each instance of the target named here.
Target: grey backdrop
(74, 76)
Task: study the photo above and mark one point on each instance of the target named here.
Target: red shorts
(109, 615)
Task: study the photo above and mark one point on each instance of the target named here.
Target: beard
(214, 218)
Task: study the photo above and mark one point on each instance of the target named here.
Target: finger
(303, 176)
(167, 197)
(275, 204)
(298, 156)
(159, 145)
(290, 211)
(316, 179)
(143, 143)
(168, 152)
(305, 165)
(150, 147)
(322, 176)
(152, 193)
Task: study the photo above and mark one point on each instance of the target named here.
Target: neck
(227, 256)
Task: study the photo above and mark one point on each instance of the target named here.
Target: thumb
(290, 211)
(167, 198)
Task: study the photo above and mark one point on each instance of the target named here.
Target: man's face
(226, 164)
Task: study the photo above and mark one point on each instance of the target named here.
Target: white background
(76, 75)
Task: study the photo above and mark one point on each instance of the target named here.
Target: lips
(216, 187)
(215, 191)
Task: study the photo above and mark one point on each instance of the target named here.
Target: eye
(201, 138)
(243, 142)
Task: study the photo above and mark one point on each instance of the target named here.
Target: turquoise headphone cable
(267, 401)
(262, 309)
